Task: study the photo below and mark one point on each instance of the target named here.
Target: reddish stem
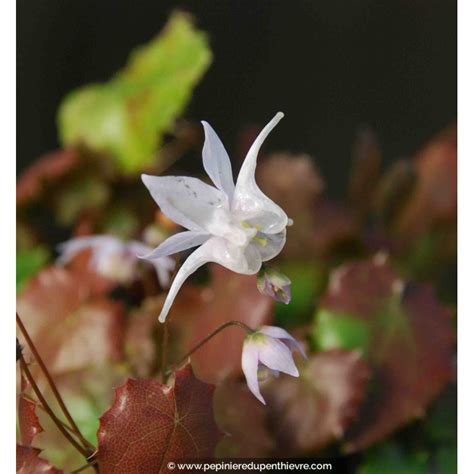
(209, 337)
(51, 383)
(44, 403)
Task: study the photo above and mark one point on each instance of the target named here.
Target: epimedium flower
(114, 258)
(234, 225)
(270, 347)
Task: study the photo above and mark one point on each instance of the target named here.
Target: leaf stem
(209, 337)
(44, 403)
(41, 407)
(51, 383)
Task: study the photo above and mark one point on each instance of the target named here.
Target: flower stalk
(208, 338)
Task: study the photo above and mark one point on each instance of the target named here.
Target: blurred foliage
(340, 331)
(307, 282)
(127, 116)
(29, 262)
(391, 459)
(373, 295)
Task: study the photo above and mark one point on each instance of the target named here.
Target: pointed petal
(269, 245)
(276, 356)
(245, 260)
(176, 243)
(189, 202)
(279, 333)
(250, 368)
(163, 268)
(216, 161)
(197, 259)
(249, 201)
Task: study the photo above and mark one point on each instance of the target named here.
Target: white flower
(265, 347)
(115, 259)
(236, 226)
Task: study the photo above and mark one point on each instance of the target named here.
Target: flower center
(235, 232)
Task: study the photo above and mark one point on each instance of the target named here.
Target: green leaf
(441, 422)
(334, 330)
(389, 458)
(29, 262)
(445, 460)
(307, 282)
(127, 116)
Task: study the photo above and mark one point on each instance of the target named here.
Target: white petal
(176, 243)
(187, 201)
(163, 267)
(276, 356)
(279, 333)
(197, 259)
(136, 248)
(245, 260)
(269, 245)
(250, 368)
(216, 161)
(249, 201)
(69, 249)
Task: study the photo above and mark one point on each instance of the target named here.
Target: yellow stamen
(260, 240)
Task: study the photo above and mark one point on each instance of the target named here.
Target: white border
(8, 225)
(465, 240)
(465, 234)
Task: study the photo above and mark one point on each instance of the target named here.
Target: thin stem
(208, 337)
(51, 383)
(164, 339)
(44, 403)
(164, 348)
(41, 407)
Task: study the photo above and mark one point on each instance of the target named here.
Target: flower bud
(275, 284)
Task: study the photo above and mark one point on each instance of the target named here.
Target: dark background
(330, 65)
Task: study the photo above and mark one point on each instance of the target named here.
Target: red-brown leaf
(335, 224)
(240, 415)
(29, 462)
(196, 313)
(150, 424)
(28, 420)
(410, 349)
(71, 322)
(308, 412)
(435, 195)
(46, 169)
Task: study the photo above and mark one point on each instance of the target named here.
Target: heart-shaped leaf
(434, 198)
(150, 424)
(242, 417)
(410, 343)
(71, 322)
(128, 116)
(310, 411)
